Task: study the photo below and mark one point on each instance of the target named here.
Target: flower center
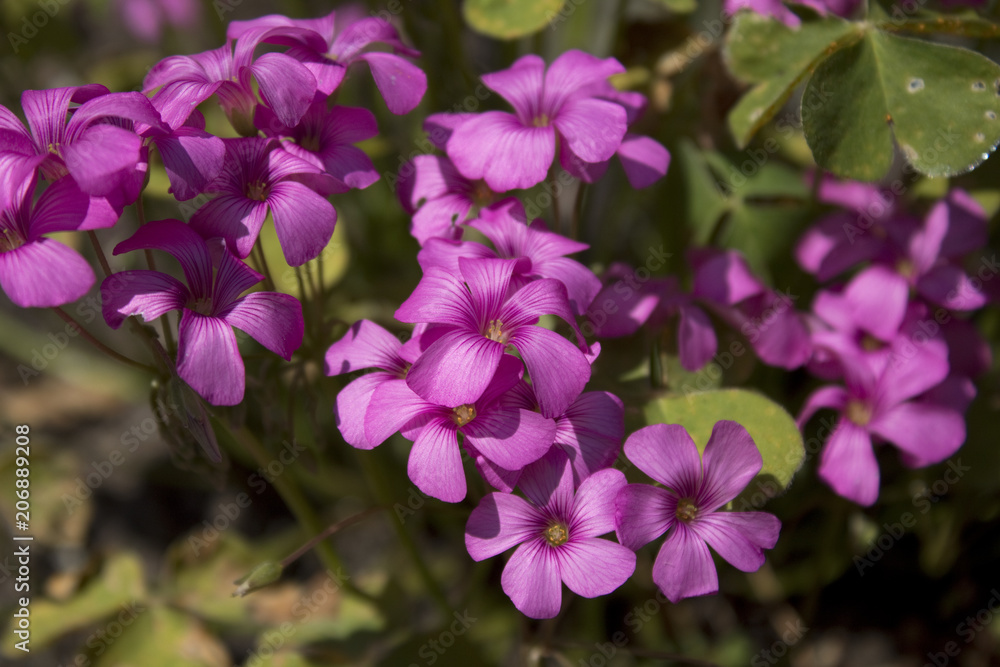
(541, 120)
(257, 190)
(686, 510)
(871, 344)
(556, 534)
(481, 193)
(463, 414)
(10, 240)
(906, 268)
(310, 142)
(202, 305)
(496, 332)
(858, 412)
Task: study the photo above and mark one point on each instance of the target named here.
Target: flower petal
(273, 320)
(731, 459)
(303, 220)
(365, 345)
(192, 159)
(209, 360)
(495, 146)
(392, 406)
(511, 438)
(101, 157)
(521, 85)
(548, 483)
(879, 297)
(559, 371)
(146, 293)
(456, 368)
(352, 407)
(683, 567)
(848, 463)
(927, 433)
(739, 537)
(183, 243)
(531, 580)
(435, 463)
(286, 85)
(44, 274)
(592, 567)
(643, 513)
(697, 342)
(593, 129)
(594, 506)
(401, 83)
(236, 219)
(499, 522)
(644, 160)
(666, 453)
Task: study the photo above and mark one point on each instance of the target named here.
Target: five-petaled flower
(696, 488)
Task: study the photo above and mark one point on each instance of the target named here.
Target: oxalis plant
(545, 333)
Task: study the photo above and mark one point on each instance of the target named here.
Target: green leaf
(120, 585)
(163, 637)
(773, 430)
(766, 52)
(510, 19)
(967, 24)
(680, 6)
(707, 202)
(939, 102)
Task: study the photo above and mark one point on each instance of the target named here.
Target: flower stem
(330, 530)
(295, 501)
(168, 336)
(263, 267)
(376, 477)
(66, 317)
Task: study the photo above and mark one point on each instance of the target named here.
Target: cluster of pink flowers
(480, 374)
(92, 146)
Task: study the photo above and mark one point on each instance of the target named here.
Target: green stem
(168, 336)
(263, 267)
(292, 497)
(330, 530)
(376, 477)
(66, 317)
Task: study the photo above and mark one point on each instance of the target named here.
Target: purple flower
(482, 320)
(325, 137)
(259, 177)
(100, 155)
(643, 159)
(492, 425)
(876, 402)
(36, 271)
(515, 151)
(557, 531)
(365, 345)
(438, 197)
(779, 11)
(542, 252)
(145, 18)
(184, 82)
(208, 358)
(401, 83)
(696, 488)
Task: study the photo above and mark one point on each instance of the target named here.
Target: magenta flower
(542, 253)
(365, 345)
(557, 531)
(36, 271)
(100, 155)
(482, 320)
(208, 358)
(259, 177)
(697, 487)
(877, 403)
(401, 83)
(184, 82)
(643, 159)
(492, 425)
(438, 197)
(145, 18)
(515, 151)
(325, 137)
(779, 11)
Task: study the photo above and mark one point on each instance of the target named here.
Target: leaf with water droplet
(934, 100)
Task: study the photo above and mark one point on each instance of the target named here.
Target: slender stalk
(294, 500)
(581, 192)
(66, 317)
(330, 530)
(262, 266)
(101, 259)
(376, 477)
